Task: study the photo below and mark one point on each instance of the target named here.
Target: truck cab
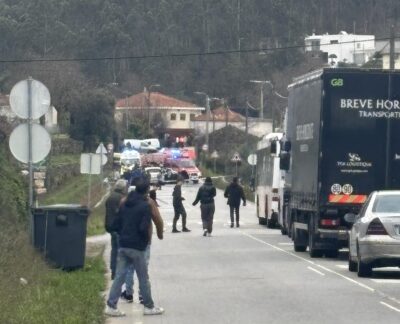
(185, 167)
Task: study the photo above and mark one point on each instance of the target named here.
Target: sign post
(90, 164)
(30, 143)
(236, 159)
(215, 156)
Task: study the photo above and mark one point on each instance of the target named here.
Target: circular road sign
(40, 99)
(252, 159)
(19, 143)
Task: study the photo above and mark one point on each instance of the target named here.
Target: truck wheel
(314, 253)
(298, 245)
(364, 270)
(332, 254)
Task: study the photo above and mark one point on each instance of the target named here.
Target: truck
(341, 143)
(269, 180)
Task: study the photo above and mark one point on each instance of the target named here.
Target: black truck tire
(314, 253)
(298, 245)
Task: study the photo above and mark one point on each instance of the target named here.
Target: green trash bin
(60, 234)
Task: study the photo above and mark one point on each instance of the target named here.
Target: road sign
(236, 157)
(104, 159)
(91, 163)
(38, 96)
(101, 149)
(205, 147)
(215, 155)
(252, 159)
(19, 143)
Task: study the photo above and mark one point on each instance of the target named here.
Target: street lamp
(208, 99)
(261, 94)
(148, 106)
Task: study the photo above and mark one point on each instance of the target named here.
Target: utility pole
(207, 122)
(392, 49)
(148, 106)
(262, 82)
(388, 122)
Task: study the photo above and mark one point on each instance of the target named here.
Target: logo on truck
(337, 82)
(354, 164)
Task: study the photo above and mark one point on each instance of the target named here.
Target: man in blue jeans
(133, 225)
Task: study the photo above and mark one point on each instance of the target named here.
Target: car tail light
(376, 228)
(330, 222)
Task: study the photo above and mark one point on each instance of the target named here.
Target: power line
(222, 52)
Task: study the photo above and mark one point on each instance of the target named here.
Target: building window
(173, 116)
(192, 116)
(183, 116)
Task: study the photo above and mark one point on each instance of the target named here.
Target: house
(383, 48)
(342, 47)
(223, 116)
(176, 113)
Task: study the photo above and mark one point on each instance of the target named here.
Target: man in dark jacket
(234, 192)
(205, 195)
(133, 224)
(179, 209)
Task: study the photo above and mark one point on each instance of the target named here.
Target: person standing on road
(179, 209)
(205, 195)
(133, 224)
(234, 192)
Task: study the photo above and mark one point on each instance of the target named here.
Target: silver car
(374, 239)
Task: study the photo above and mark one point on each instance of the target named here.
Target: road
(251, 275)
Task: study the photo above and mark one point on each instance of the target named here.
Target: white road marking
(386, 281)
(390, 306)
(286, 243)
(312, 262)
(316, 271)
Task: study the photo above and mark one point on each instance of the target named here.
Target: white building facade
(342, 47)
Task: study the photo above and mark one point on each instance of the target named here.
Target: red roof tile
(220, 115)
(157, 100)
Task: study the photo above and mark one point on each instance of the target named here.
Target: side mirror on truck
(284, 162)
(274, 147)
(287, 146)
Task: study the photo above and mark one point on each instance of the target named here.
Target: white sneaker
(114, 312)
(153, 311)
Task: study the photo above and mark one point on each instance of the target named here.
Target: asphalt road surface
(252, 275)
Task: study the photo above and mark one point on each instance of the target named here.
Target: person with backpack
(205, 195)
(234, 192)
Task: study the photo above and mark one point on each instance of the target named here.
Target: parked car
(169, 175)
(374, 240)
(154, 174)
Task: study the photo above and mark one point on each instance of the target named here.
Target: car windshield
(186, 163)
(387, 204)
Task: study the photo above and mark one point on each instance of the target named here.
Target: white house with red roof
(176, 113)
(223, 116)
